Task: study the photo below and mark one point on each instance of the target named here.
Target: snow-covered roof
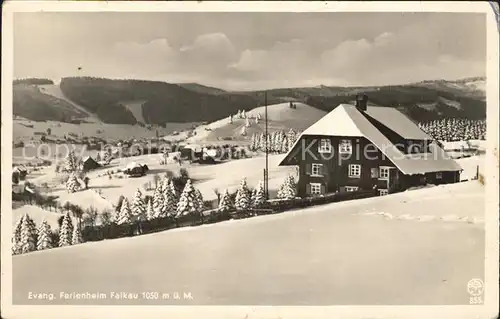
(20, 168)
(347, 120)
(335, 123)
(398, 122)
(194, 147)
(86, 158)
(133, 165)
(211, 152)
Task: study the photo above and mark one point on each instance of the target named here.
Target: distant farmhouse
(360, 147)
(88, 164)
(19, 174)
(136, 170)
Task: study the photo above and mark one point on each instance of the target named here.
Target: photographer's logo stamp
(475, 288)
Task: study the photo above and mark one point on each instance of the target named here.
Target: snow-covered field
(412, 248)
(38, 215)
(206, 178)
(22, 131)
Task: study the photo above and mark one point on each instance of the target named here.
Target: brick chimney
(361, 102)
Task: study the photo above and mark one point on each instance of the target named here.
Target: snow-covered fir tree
(243, 114)
(70, 164)
(258, 195)
(262, 141)
(199, 201)
(125, 216)
(242, 200)
(66, 231)
(27, 242)
(226, 204)
(252, 142)
(16, 236)
(72, 184)
(284, 145)
(188, 201)
(291, 137)
(247, 122)
(288, 189)
(32, 226)
(150, 213)
(170, 200)
(243, 131)
(455, 129)
(158, 200)
(138, 207)
(76, 236)
(44, 236)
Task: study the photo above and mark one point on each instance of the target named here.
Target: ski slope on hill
(55, 90)
(336, 254)
(136, 108)
(280, 117)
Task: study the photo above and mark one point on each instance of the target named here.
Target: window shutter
(308, 189)
(323, 189)
(323, 170)
(308, 168)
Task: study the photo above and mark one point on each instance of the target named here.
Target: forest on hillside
(409, 100)
(192, 102)
(33, 81)
(30, 103)
(165, 102)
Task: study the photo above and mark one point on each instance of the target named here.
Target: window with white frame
(439, 175)
(351, 188)
(316, 169)
(325, 145)
(345, 146)
(315, 188)
(354, 170)
(383, 172)
(383, 192)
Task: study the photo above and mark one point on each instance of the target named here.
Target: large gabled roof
(397, 122)
(347, 120)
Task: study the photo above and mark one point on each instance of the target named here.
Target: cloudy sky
(243, 51)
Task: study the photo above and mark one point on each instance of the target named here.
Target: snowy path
(318, 256)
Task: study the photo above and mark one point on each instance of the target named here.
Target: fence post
(477, 171)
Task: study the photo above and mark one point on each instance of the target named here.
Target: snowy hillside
(336, 254)
(55, 91)
(281, 117)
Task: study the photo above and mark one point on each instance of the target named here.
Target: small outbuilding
(19, 174)
(136, 170)
(88, 164)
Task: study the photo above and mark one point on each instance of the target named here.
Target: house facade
(355, 147)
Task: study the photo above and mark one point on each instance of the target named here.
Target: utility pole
(267, 150)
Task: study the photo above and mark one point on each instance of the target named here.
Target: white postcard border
(488, 310)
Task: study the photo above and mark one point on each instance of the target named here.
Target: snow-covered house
(19, 173)
(134, 169)
(356, 147)
(88, 163)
